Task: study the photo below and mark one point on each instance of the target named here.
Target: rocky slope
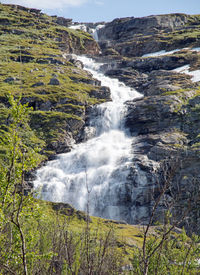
(165, 123)
(36, 63)
(136, 36)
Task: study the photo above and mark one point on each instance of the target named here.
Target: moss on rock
(33, 52)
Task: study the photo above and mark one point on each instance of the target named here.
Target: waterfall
(93, 31)
(94, 171)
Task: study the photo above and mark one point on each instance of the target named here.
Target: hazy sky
(107, 10)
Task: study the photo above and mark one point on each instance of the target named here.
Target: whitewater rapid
(94, 173)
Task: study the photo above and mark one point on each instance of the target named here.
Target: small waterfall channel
(95, 171)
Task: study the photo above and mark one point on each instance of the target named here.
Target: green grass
(40, 39)
(128, 235)
(176, 92)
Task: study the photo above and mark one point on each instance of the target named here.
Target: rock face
(162, 134)
(137, 36)
(122, 28)
(165, 123)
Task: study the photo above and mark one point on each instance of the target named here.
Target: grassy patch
(176, 92)
(32, 51)
(128, 236)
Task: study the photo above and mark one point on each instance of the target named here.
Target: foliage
(34, 239)
(33, 50)
(169, 250)
(178, 254)
(21, 156)
(31, 240)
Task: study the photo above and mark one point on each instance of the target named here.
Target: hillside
(153, 190)
(36, 63)
(160, 57)
(132, 37)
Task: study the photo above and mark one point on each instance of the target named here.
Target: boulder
(38, 84)
(10, 79)
(62, 21)
(54, 81)
(91, 81)
(76, 62)
(101, 93)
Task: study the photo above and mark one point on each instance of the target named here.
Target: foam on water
(97, 168)
(92, 31)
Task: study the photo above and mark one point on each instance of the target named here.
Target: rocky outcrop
(165, 123)
(154, 75)
(124, 27)
(54, 81)
(160, 138)
(165, 127)
(132, 37)
(62, 21)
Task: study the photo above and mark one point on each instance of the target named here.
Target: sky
(107, 10)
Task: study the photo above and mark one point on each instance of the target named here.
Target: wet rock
(160, 131)
(88, 133)
(62, 145)
(102, 93)
(152, 114)
(74, 61)
(149, 79)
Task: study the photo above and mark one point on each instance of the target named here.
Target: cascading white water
(92, 31)
(98, 168)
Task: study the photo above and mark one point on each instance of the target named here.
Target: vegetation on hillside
(49, 98)
(34, 63)
(38, 237)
